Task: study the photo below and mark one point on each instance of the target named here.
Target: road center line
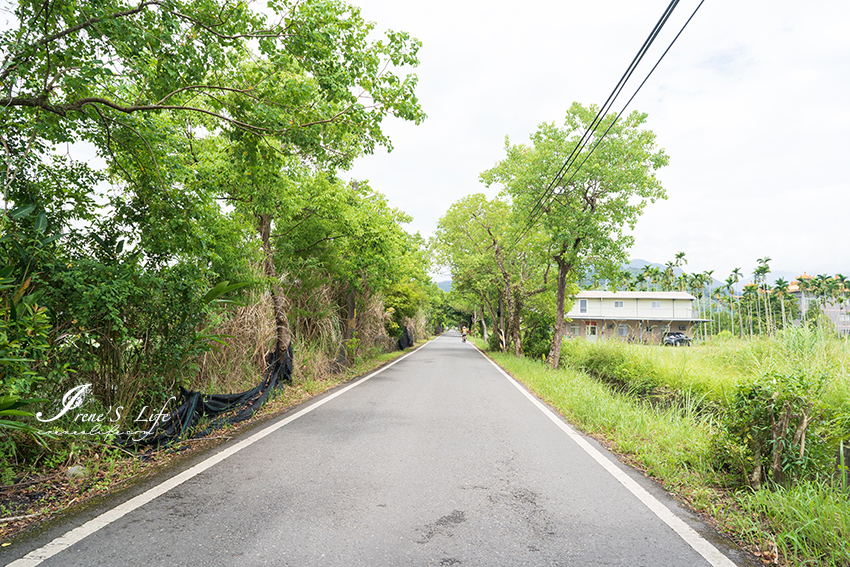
(710, 553)
(65, 541)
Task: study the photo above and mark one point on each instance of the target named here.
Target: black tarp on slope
(406, 339)
(225, 409)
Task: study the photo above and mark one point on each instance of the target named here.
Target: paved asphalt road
(437, 460)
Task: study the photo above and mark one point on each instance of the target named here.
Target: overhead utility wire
(550, 190)
(599, 140)
(602, 111)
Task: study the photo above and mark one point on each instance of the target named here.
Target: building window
(682, 327)
(574, 329)
(582, 306)
(623, 330)
(656, 305)
(618, 304)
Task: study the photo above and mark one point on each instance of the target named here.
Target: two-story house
(642, 316)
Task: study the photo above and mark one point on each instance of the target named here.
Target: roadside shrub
(775, 430)
(132, 333)
(616, 363)
(537, 338)
(493, 341)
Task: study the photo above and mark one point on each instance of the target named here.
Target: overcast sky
(750, 104)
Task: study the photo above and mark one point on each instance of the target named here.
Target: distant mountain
(445, 285)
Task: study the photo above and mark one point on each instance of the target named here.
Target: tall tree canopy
(491, 258)
(224, 129)
(586, 217)
(193, 101)
(73, 70)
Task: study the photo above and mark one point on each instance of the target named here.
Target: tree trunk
(502, 345)
(494, 318)
(507, 296)
(516, 336)
(560, 324)
(779, 430)
(740, 318)
(278, 300)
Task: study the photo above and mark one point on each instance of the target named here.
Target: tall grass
(641, 367)
(717, 367)
(248, 333)
(810, 520)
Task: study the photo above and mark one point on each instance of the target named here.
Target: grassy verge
(807, 524)
(42, 491)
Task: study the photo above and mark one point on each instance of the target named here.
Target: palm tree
(730, 288)
(765, 270)
(680, 259)
(669, 277)
(736, 274)
(696, 286)
(820, 287)
(708, 280)
(682, 281)
(749, 293)
(842, 286)
(757, 277)
(646, 276)
(832, 288)
(781, 290)
(656, 277)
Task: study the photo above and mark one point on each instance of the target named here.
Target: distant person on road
(463, 332)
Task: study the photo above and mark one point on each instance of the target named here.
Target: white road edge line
(711, 554)
(65, 541)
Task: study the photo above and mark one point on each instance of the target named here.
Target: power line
(603, 110)
(549, 192)
(620, 114)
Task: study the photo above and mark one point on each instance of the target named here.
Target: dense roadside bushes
(173, 224)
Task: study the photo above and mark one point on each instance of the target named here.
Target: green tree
(730, 289)
(736, 277)
(780, 288)
(84, 71)
(586, 216)
(193, 103)
(475, 237)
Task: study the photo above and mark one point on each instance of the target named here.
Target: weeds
(809, 520)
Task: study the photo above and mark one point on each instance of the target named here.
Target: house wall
(649, 332)
(604, 308)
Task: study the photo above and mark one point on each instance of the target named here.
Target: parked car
(676, 339)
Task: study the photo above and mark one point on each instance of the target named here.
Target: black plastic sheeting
(406, 340)
(225, 409)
